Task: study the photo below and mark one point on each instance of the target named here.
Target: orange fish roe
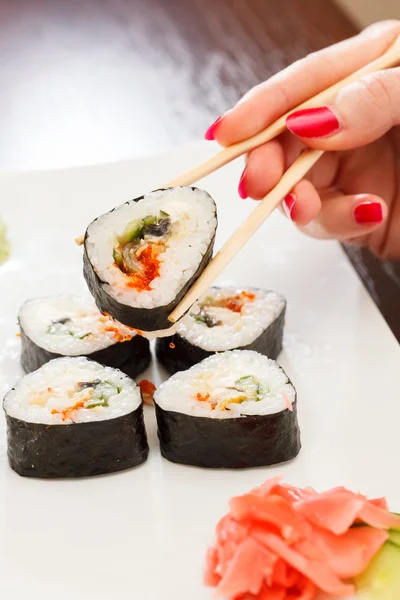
(17, 335)
(172, 345)
(147, 388)
(148, 258)
(120, 337)
(66, 413)
(202, 397)
(236, 303)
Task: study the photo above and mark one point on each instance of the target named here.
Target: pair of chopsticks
(291, 177)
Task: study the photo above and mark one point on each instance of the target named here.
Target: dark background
(87, 81)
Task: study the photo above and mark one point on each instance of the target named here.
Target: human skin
(353, 193)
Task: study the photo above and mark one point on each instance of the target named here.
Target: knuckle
(285, 97)
(381, 88)
(375, 89)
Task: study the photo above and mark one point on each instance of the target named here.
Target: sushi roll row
(74, 417)
(225, 319)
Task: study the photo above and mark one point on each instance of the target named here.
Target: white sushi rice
(215, 375)
(192, 213)
(236, 328)
(53, 387)
(86, 331)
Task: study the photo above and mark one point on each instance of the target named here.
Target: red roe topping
(202, 397)
(147, 388)
(235, 303)
(66, 413)
(151, 267)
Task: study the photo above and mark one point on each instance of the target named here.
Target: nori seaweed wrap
(233, 410)
(66, 325)
(74, 418)
(225, 319)
(142, 257)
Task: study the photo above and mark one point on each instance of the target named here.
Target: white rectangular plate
(142, 534)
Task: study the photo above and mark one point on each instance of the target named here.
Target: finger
(266, 164)
(299, 82)
(303, 204)
(264, 168)
(347, 217)
(361, 113)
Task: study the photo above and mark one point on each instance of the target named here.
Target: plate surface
(143, 533)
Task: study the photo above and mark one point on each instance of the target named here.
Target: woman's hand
(353, 193)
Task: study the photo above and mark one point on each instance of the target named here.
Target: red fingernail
(241, 187)
(313, 122)
(209, 134)
(288, 204)
(368, 212)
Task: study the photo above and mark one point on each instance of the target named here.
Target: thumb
(361, 113)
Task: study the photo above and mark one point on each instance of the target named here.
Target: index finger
(299, 82)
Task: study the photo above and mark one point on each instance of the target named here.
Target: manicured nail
(209, 134)
(241, 187)
(313, 122)
(288, 204)
(368, 212)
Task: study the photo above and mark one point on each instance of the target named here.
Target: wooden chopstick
(389, 59)
(292, 176)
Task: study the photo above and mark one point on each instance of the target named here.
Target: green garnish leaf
(251, 386)
(117, 256)
(76, 334)
(149, 220)
(198, 318)
(164, 214)
(102, 393)
(246, 381)
(93, 402)
(131, 232)
(119, 389)
(134, 231)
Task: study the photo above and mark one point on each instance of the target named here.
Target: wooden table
(86, 81)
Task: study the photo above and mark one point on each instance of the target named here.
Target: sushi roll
(67, 325)
(74, 418)
(226, 318)
(232, 410)
(142, 257)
